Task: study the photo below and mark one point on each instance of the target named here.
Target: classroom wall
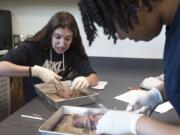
(29, 16)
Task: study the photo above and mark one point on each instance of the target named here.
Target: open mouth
(60, 50)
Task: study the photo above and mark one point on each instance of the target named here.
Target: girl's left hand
(80, 83)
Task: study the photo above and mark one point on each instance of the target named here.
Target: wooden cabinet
(16, 93)
(5, 98)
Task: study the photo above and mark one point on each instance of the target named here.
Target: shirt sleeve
(20, 55)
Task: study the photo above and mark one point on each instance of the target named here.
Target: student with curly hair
(139, 20)
(54, 53)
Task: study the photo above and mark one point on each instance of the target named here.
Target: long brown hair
(60, 20)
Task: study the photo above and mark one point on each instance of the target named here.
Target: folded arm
(46, 75)
(121, 122)
(10, 69)
(148, 126)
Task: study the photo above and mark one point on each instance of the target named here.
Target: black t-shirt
(29, 54)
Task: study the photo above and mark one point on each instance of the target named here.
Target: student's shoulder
(29, 45)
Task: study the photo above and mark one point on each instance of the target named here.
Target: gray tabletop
(119, 79)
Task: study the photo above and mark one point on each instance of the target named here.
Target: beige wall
(29, 16)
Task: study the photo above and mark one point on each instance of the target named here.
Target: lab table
(119, 79)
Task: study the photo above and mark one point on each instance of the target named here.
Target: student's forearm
(92, 79)
(10, 69)
(148, 126)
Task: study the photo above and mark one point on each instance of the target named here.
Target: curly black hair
(102, 12)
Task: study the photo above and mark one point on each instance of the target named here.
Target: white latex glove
(161, 77)
(47, 75)
(145, 101)
(80, 83)
(117, 122)
(152, 82)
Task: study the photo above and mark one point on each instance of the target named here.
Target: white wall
(29, 16)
